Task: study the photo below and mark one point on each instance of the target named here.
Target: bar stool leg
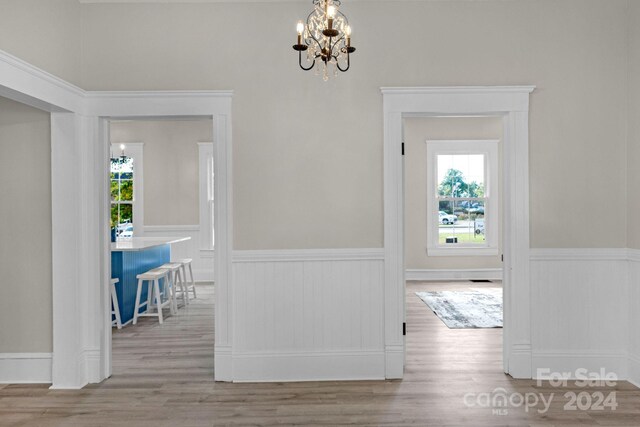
(149, 294)
(180, 278)
(137, 306)
(170, 291)
(193, 283)
(116, 306)
(185, 288)
(156, 286)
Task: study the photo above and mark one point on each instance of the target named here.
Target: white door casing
(80, 203)
(511, 103)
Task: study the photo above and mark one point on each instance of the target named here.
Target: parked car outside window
(445, 218)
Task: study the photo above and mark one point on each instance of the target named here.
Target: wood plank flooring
(163, 376)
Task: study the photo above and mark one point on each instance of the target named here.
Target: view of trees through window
(122, 196)
(461, 199)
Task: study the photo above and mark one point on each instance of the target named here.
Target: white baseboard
(203, 275)
(309, 366)
(520, 361)
(25, 368)
(593, 362)
(394, 362)
(223, 363)
(633, 370)
(92, 364)
(457, 274)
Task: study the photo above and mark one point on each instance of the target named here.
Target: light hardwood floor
(163, 375)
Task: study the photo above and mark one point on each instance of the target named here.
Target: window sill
(465, 251)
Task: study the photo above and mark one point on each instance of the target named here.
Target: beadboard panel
(202, 259)
(634, 316)
(579, 301)
(321, 312)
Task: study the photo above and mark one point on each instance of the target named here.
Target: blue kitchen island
(133, 256)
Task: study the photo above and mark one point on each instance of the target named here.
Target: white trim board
(25, 368)
(456, 274)
(287, 255)
(580, 254)
(512, 104)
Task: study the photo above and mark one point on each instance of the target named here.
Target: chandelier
(326, 38)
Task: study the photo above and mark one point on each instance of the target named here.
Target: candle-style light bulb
(347, 31)
(331, 13)
(122, 147)
(300, 29)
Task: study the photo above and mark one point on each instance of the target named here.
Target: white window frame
(206, 193)
(488, 148)
(134, 150)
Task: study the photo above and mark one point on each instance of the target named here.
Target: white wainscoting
(25, 368)
(308, 315)
(634, 317)
(456, 274)
(579, 310)
(203, 260)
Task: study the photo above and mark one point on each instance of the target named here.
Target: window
(126, 189)
(122, 195)
(462, 199)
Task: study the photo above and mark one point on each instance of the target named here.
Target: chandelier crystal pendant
(326, 38)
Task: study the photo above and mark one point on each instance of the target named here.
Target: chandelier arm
(348, 64)
(336, 43)
(300, 62)
(311, 36)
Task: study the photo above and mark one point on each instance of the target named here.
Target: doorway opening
(453, 239)
(161, 212)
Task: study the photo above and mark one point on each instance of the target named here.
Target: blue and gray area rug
(475, 308)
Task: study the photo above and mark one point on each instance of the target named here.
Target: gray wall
(170, 166)
(298, 187)
(25, 229)
(416, 132)
(45, 33)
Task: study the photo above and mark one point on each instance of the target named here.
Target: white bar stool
(175, 278)
(188, 287)
(115, 307)
(152, 277)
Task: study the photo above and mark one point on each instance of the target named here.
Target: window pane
(126, 213)
(114, 215)
(460, 175)
(126, 190)
(120, 164)
(115, 196)
(466, 227)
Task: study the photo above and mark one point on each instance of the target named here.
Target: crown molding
(456, 89)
